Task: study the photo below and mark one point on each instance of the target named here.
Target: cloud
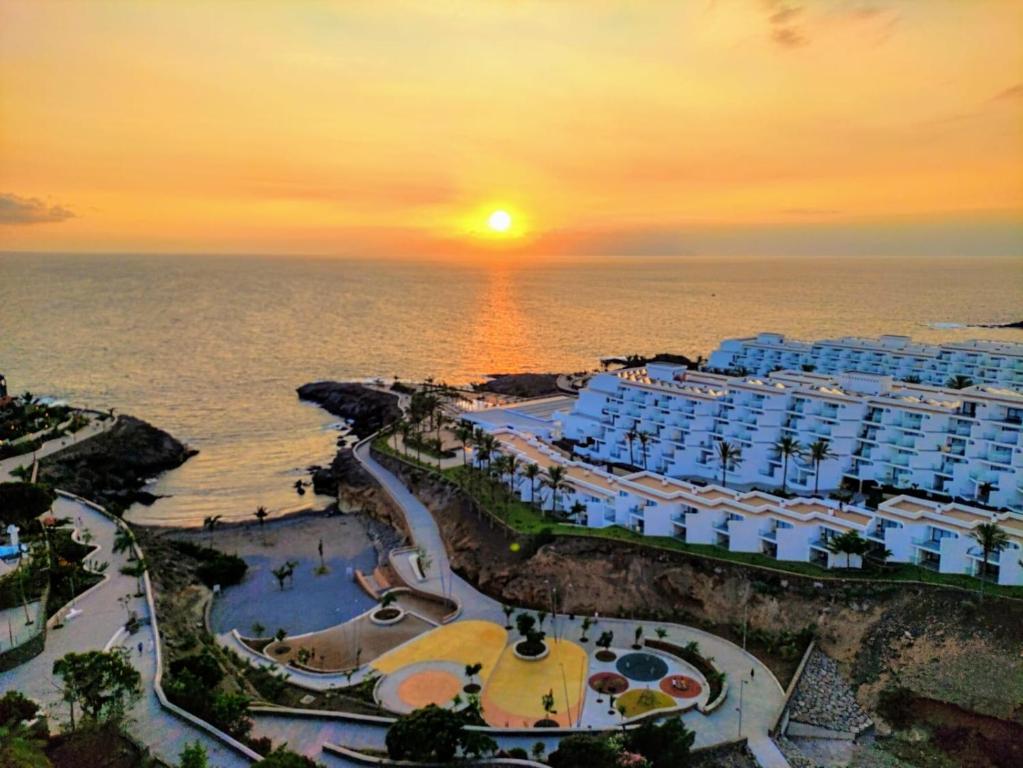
(15, 209)
(784, 19)
(1012, 92)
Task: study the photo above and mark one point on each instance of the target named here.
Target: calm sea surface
(212, 349)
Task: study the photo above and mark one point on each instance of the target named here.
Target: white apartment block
(983, 362)
(964, 443)
(920, 532)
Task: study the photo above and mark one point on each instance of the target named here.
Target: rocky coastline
(111, 468)
(365, 409)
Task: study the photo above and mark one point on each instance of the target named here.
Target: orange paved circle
(429, 687)
(686, 688)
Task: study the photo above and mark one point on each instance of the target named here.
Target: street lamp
(742, 688)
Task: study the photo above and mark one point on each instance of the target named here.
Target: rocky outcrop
(823, 698)
(520, 384)
(367, 410)
(112, 467)
(345, 470)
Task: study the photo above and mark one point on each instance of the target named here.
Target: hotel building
(983, 362)
(964, 443)
(925, 533)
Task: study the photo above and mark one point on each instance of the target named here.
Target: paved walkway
(101, 618)
(94, 428)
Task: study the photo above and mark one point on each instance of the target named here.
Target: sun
(499, 221)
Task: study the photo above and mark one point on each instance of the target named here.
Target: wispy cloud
(1012, 92)
(784, 19)
(15, 209)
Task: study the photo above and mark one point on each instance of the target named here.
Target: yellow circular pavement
(463, 642)
(431, 686)
(513, 694)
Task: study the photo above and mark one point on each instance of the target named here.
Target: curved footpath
(762, 696)
(99, 625)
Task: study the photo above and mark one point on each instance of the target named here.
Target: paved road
(101, 618)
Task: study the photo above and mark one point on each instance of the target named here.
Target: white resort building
(983, 362)
(925, 533)
(965, 443)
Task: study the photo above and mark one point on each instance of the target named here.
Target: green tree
(231, 712)
(729, 456)
(210, 524)
(193, 756)
(124, 542)
(555, 480)
(786, 447)
(583, 750)
(991, 539)
(102, 684)
(532, 473)
(630, 438)
(21, 503)
(434, 734)
(959, 382)
(819, 453)
(281, 574)
(644, 438)
(666, 745)
(848, 543)
(464, 434)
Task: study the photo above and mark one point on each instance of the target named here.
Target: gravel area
(824, 698)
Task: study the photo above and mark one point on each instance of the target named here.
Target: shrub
(895, 705)
(583, 750)
(203, 666)
(16, 708)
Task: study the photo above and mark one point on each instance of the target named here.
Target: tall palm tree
(464, 434)
(644, 438)
(531, 473)
(729, 455)
(262, 514)
(578, 510)
(405, 428)
(512, 467)
(991, 538)
(555, 480)
(819, 453)
(629, 437)
(787, 446)
(210, 523)
(959, 381)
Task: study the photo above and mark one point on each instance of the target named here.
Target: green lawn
(526, 519)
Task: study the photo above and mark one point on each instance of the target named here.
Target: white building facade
(964, 443)
(920, 532)
(983, 362)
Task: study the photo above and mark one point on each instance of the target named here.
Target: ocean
(212, 348)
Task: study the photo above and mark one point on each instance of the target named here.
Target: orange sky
(388, 127)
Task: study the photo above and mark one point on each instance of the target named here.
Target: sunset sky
(395, 128)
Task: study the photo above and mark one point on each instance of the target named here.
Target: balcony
(931, 545)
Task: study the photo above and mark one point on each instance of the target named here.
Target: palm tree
(531, 473)
(959, 381)
(136, 569)
(464, 434)
(512, 466)
(644, 438)
(787, 446)
(123, 543)
(819, 453)
(405, 429)
(578, 509)
(262, 514)
(729, 455)
(555, 480)
(848, 543)
(629, 437)
(281, 574)
(210, 523)
(991, 538)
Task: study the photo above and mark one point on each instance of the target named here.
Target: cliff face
(367, 409)
(112, 467)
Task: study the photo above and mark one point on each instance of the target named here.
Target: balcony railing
(931, 545)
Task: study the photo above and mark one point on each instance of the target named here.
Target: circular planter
(546, 723)
(605, 656)
(472, 688)
(384, 617)
(280, 650)
(526, 656)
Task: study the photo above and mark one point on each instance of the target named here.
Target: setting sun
(499, 221)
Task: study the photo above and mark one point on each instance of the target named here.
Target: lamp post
(742, 688)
